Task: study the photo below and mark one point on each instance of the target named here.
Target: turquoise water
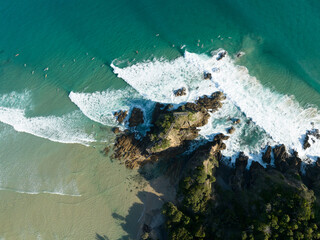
(58, 88)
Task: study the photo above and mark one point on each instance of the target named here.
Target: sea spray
(100, 106)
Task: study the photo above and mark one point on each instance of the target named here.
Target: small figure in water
(137, 52)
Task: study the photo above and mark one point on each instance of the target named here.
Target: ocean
(66, 66)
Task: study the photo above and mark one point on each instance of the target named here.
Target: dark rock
(294, 163)
(240, 54)
(106, 150)
(236, 121)
(136, 117)
(306, 143)
(266, 157)
(315, 133)
(318, 162)
(295, 154)
(211, 102)
(180, 92)
(146, 228)
(280, 153)
(130, 149)
(116, 130)
(221, 55)
(207, 76)
(120, 115)
(241, 162)
(256, 166)
(280, 157)
(231, 130)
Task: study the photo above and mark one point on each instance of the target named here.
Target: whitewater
(267, 117)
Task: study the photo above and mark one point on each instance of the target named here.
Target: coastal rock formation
(311, 135)
(170, 134)
(120, 116)
(266, 157)
(180, 92)
(136, 117)
(130, 150)
(280, 156)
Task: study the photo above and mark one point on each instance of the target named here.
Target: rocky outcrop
(266, 157)
(241, 162)
(136, 117)
(130, 150)
(180, 92)
(280, 156)
(310, 135)
(120, 115)
(171, 132)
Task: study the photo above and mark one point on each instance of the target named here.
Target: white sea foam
(16, 100)
(100, 106)
(157, 80)
(65, 129)
(39, 192)
(276, 118)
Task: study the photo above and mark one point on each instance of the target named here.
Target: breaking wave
(267, 117)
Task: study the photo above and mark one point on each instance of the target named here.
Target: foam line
(65, 129)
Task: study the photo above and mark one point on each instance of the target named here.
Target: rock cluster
(171, 132)
(180, 92)
(136, 117)
(311, 133)
(120, 115)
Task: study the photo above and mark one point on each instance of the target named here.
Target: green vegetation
(188, 221)
(191, 116)
(164, 123)
(274, 206)
(280, 211)
(164, 144)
